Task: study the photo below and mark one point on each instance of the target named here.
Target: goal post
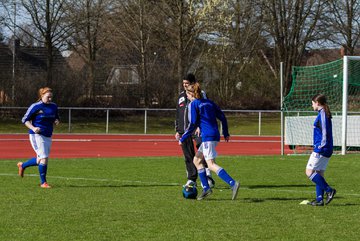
(339, 81)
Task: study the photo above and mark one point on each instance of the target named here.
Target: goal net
(339, 81)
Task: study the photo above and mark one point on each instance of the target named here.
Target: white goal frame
(344, 116)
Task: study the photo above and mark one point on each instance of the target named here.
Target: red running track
(94, 145)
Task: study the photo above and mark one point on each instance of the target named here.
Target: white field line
(92, 179)
(169, 184)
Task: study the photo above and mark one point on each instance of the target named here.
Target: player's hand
(180, 143)
(227, 138)
(36, 130)
(177, 136)
(56, 122)
(197, 132)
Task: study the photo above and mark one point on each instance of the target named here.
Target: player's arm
(29, 125)
(57, 117)
(177, 134)
(221, 116)
(192, 125)
(197, 132)
(26, 120)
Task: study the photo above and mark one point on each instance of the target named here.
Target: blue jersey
(323, 138)
(43, 116)
(204, 114)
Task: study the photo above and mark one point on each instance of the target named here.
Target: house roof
(33, 57)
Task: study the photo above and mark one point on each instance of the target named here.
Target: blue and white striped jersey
(323, 138)
(204, 114)
(43, 116)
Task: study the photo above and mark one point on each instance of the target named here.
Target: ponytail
(321, 99)
(327, 111)
(197, 91)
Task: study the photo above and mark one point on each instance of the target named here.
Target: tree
(343, 22)
(292, 26)
(47, 18)
(2, 24)
(88, 19)
(135, 29)
(187, 24)
(235, 29)
(2, 37)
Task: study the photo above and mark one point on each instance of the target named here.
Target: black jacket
(182, 120)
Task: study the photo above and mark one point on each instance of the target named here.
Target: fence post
(107, 121)
(259, 123)
(145, 122)
(69, 125)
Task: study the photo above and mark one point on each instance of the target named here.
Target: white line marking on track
(139, 140)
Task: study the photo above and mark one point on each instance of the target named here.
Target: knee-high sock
(320, 180)
(42, 172)
(319, 193)
(203, 179)
(225, 177)
(29, 163)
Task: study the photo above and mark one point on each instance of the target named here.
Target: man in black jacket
(181, 123)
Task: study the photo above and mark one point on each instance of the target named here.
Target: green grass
(140, 199)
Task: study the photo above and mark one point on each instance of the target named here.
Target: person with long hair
(323, 149)
(204, 114)
(181, 123)
(40, 118)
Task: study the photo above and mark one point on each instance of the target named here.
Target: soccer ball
(189, 192)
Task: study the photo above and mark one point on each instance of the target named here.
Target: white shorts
(207, 148)
(317, 162)
(41, 145)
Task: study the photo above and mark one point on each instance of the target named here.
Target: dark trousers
(189, 153)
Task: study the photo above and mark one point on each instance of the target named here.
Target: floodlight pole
(281, 107)
(344, 104)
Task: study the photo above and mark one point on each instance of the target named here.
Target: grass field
(140, 199)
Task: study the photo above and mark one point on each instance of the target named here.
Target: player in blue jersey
(204, 114)
(323, 149)
(40, 119)
(181, 123)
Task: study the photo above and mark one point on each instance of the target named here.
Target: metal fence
(148, 120)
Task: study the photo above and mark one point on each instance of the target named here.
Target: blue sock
(42, 172)
(29, 163)
(319, 193)
(319, 180)
(225, 177)
(203, 179)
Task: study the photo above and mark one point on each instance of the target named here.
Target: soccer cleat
(211, 181)
(190, 183)
(204, 194)
(235, 190)
(45, 185)
(316, 203)
(20, 169)
(330, 196)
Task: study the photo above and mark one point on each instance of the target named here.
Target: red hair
(195, 90)
(43, 91)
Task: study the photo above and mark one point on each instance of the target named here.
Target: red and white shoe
(45, 185)
(20, 169)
